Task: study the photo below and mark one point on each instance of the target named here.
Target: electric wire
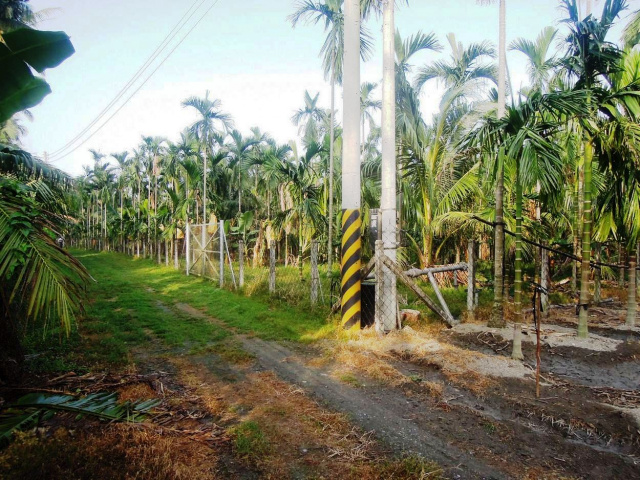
(161, 47)
(141, 85)
(168, 38)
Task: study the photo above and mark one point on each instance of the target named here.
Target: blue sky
(244, 51)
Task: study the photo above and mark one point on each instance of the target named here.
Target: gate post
(315, 277)
(471, 279)
(241, 263)
(221, 236)
(188, 246)
(272, 266)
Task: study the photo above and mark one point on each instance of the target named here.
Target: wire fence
(227, 260)
(298, 278)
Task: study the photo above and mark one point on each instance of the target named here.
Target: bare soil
(366, 407)
(482, 426)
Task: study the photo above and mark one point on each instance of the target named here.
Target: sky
(245, 52)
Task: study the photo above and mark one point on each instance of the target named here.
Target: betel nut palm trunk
(497, 314)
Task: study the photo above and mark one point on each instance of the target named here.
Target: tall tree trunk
(621, 263)
(331, 157)
(544, 281)
(632, 304)
(239, 192)
(517, 291)
(497, 314)
(497, 311)
(176, 257)
(638, 276)
(597, 287)
(583, 317)
(576, 233)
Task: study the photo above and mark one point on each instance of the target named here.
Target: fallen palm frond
(34, 407)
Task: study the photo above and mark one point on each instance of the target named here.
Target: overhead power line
(170, 36)
(59, 154)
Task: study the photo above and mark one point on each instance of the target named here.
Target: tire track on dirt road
(389, 414)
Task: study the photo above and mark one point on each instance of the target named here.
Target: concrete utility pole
(388, 307)
(351, 220)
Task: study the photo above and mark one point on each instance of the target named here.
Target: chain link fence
(299, 281)
(298, 278)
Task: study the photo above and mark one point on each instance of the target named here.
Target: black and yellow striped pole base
(350, 268)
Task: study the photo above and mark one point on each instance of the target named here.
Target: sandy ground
(551, 335)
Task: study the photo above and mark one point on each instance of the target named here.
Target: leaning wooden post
(241, 263)
(315, 277)
(471, 279)
(221, 236)
(187, 246)
(544, 281)
(272, 266)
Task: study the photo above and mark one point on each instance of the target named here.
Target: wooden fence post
(221, 237)
(241, 263)
(272, 266)
(315, 277)
(471, 279)
(187, 247)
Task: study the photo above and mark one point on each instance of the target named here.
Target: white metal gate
(208, 252)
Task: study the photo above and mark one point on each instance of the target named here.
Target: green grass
(139, 284)
(249, 439)
(132, 302)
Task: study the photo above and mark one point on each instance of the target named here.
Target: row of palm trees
(566, 145)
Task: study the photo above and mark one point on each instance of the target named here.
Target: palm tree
(590, 60)
(631, 34)
(523, 134)
(329, 13)
(39, 281)
(409, 117)
(211, 120)
(309, 117)
(616, 147)
(430, 154)
(121, 158)
(299, 182)
(540, 65)
(497, 315)
(465, 66)
(238, 152)
(367, 106)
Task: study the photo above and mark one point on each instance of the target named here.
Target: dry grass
(135, 392)
(118, 451)
(296, 437)
(617, 293)
(372, 364)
